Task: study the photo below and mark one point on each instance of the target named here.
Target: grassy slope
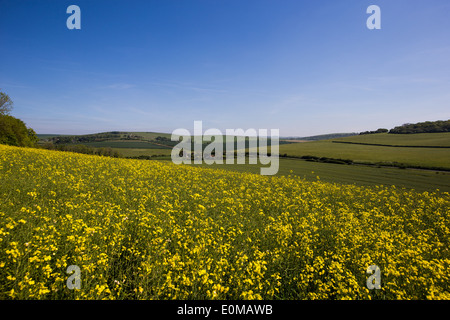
(418, 139)
(135, 152)
(151, 135)
(129, 148)
(47, 135)
(438, 157)
(133, 144)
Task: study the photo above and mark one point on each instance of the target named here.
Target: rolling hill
(427, 140)
(428, 150)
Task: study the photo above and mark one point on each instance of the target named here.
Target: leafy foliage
(6, 104)
(14, 132)
(423, 127)
(380, 130)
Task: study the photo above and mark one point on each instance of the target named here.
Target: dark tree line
(423, 127)
(420, 127)
(96, 137)
(85, 138)
(381, 130)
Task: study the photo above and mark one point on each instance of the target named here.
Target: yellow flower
(138, 224)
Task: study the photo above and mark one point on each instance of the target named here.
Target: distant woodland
(423, 127)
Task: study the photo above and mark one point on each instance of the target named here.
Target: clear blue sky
(304, 67)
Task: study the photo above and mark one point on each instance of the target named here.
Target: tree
(32, 136)
(6, 104)
(14, 132)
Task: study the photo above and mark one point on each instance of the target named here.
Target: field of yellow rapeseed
(153, 230)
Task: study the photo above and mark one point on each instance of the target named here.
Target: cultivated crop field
(412, 156)
(437, 139)
(130, 152)
(154, 230)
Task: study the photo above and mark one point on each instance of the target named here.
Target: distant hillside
(426, 150)
(113, 139)
(143, 145)
(321, 136)
(421, 140)
(115, 143)
(103, 136)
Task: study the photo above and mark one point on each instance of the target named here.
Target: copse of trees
(84, 138)
(423, 127)
(381, 130)
(13, 131)
(420, 127)
(158, 138)
(95, 137)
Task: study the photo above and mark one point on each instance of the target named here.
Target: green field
(136, 152)
(133, 144)
(150, 135)
(441, 139)
(370, 154)
(424, 157)
(127, 144)
(47, 136)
